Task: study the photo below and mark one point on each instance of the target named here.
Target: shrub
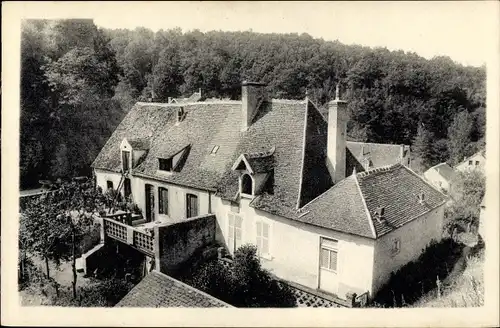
(244, 284)
(418, 277)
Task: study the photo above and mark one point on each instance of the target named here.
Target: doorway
(328, 266)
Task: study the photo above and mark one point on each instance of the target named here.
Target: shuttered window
(163, 200)
(126, 160)
(262, 237)
(191, 205)
(329, 253)
(235, 225)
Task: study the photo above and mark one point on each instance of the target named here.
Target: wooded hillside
(78, 82)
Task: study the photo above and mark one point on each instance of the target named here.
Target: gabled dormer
(180, 115)
(133, 150)
(173, 161)
(255, 169)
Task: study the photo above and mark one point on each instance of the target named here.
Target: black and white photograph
(323, 156)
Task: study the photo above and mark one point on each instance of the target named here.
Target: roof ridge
(426, 182)
(288, 101)
(218, 102)
(385, 168)
(377, 143)
(368, 214)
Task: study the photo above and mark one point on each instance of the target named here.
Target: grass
(463, 290)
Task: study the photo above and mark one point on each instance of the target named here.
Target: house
(280, 175)
(474, 162)
(441, 176)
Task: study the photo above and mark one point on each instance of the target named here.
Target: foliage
(244, 284)
(416, 278)
(459, 134)
(467, 191)
(77, 83)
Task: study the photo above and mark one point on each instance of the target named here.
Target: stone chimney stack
(336, 145)
(252, 96)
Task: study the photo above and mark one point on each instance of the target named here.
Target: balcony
(135, 236)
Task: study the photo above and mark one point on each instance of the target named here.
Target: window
(127, 187)
(191, 205)
(408, 161)
(470, 162)
(477, 163)
(235, 231)
(163, 200)
(214, 150)
(165, 164)
(262, 237)
(396, 246)
(109, 185)
(126, 160)
(180, 114)
(329, 254)
(246, 184)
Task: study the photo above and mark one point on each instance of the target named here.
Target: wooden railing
(139, 239)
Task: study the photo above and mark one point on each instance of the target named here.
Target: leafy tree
(422, 146)
(459, 134)
(54, 224)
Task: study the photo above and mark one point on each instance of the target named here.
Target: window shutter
(165, 192)
(324, 258)
(259, 235)
(230, 237)
(160, 197)
(333, 260)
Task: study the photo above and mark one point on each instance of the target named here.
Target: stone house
(325, 213)
(474, 162)
(441, 176)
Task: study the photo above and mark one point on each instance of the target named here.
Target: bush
(418, 277)
(244, 284)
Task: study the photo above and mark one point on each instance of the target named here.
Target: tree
(53, 224)
(459, 134)
(422, 146)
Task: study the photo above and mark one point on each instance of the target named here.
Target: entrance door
(150, 202)
(328, 266)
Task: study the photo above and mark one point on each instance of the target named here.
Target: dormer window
(246, 184)
(180, 114)
(166, 164)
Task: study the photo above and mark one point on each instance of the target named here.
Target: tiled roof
(350, 205)
(159, 290)
(445, 171)
(139, 144)
(278, 124)
(379, 154)
(396, 189)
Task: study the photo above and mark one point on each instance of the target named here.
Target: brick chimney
(336, 145)
(252, 96)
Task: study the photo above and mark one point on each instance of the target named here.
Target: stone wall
(177, 242)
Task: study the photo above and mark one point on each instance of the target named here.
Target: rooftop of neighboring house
(481, 153)
(159, 290)
(354, 204)
(444, 170)
(285, 143)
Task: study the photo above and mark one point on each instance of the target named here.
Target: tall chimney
(252, 96)
(336, 145)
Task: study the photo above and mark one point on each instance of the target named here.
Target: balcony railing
(139, 239)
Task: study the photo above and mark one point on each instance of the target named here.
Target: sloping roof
(350, 205)
(339, 208)
(445, 171)
(139, 144)
(159, 290)
(481, 153)
(278, 124)
(379, 154)
(396, 189)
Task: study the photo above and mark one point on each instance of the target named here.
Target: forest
(78, 81)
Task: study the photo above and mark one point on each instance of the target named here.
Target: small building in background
(474, 162)
(440, 176)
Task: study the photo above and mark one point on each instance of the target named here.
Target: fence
(138, 239)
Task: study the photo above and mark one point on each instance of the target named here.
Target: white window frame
(330, 249)
(231, 230)
(259, 238)
(241, 185)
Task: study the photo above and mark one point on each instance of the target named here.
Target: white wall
(295, 248)
(464, 167)
(414, 237)
(435, 179)
(176, 194)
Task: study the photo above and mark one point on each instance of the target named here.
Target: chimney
(336, 146)
(252, 96)
(379, 214)
(402, 153)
